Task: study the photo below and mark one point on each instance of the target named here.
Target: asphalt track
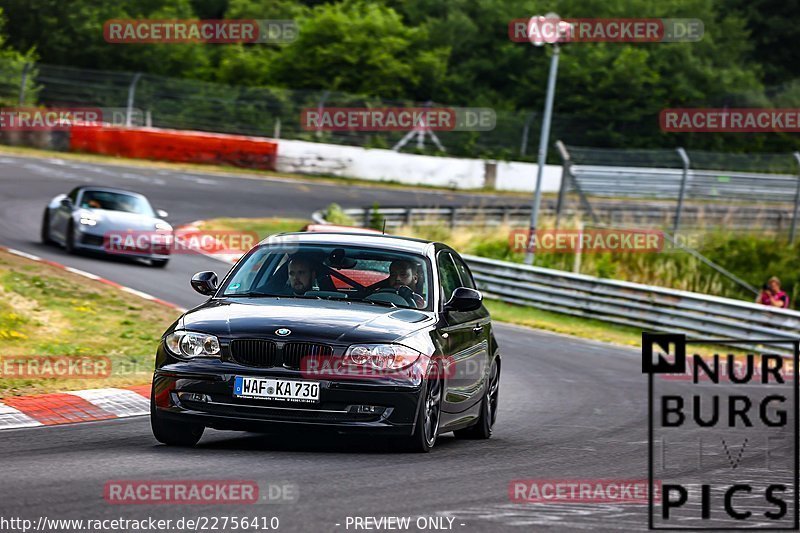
(570, 409)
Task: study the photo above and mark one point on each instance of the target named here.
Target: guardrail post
(679, 208)
(367, 215)
(566, 169)
(452, 217)
(409, 216)
(25, 69)
(131, 96)
(793, 232)
(525, 130)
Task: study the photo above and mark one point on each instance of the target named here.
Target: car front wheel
(173, 433)
(426, 428)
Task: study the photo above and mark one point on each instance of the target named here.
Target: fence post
(525, 130)
(793, 232)
(566, 168)
(25, 68)
(679, 208)
(131, 95)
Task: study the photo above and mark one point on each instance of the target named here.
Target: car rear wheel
(173, 433)
(426, 428)
(46, 227)
(483, 427)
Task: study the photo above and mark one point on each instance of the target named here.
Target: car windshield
(334, 272)
(114, 201)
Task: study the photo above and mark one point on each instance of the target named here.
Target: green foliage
(335, 215)
(455, 52)
(376, 220)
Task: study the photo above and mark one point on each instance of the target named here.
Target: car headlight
(162, 226)
(381, 356)
(87, 218)
(188, 344)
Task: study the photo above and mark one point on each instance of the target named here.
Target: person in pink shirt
(772, 294)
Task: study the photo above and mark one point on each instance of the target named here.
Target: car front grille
(264, 353)
(254, 352)
(294, 352)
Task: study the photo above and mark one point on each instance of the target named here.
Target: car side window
(73, 196)
(463, 271)
(448, 275)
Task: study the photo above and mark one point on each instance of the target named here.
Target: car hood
(325, 321)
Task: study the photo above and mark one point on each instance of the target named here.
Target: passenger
(772, 294)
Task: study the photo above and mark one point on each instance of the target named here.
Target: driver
(403, 277)
(301, 276)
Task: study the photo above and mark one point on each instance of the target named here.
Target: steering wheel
(404, 291)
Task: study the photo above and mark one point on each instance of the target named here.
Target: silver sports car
(108, 220)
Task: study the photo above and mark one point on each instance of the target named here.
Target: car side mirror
(464, 299)
(205, 283)
(66, 202)
(161, 213)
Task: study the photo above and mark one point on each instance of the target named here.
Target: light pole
(541, 30)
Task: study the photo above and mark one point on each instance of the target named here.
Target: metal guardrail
(648, 214)
(648, 307)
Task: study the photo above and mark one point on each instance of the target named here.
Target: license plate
(276, 389)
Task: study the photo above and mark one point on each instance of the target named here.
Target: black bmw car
(343, 332)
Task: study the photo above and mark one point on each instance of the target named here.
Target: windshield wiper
(377, 302)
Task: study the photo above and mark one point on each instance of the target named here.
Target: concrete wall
(386, 165)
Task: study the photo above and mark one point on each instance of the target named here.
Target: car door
(465, 341)
(61, 215)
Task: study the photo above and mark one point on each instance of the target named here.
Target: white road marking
(25, 255)
(13, 418)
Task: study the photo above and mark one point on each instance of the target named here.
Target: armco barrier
(175, 145)
(648, 307)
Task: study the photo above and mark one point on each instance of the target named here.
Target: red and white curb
(230, 256)
(77, 406)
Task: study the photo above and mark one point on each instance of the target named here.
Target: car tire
(45, 233)
(159, 263)
(173, 433)
(426, 428)
(69, 238)
(482, 429)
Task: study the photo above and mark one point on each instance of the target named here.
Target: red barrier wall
(175, 145)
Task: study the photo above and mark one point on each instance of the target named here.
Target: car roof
(388, 242)
(104, 188)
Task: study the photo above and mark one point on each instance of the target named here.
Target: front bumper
(90, 242)
(345, 406)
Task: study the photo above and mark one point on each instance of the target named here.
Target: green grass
(264, 227)
(45, 311)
